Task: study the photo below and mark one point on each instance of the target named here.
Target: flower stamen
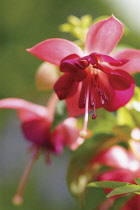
(83, 132)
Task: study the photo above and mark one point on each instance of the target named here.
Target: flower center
(91, 72)
(92, 89)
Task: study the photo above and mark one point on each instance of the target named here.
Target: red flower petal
(116, 98)
(132, 203)
(121, 81)
(37, 131)
(76, 72)
(103, 36)
(73, 103)
(54, 50)
(65, 86)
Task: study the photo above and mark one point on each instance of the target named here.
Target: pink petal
(133, 65)
(56, 142)
(135, 134)
(65, 86)
(54, 50)
(26, 110)
(70, 133)
(103, 36)
(111, 158)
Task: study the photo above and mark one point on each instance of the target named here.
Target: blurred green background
(22, 25)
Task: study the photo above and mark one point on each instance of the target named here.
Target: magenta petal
(103, 36)
(133, 64)
(54, 50)
(36, 120)
(118, 79)
(37, 131)
(69, 57)
(121, 81)
(65, 86)
(56, 142)
(77, 73)
(110, 60)
(73, 103)
(116, 98)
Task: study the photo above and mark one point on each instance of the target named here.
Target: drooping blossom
(36, 123)
(124, 166)
(92, 78)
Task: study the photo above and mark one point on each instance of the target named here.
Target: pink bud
(46, 76)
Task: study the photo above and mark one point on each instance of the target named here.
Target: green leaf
(124, 117)
(137, 180)
(137, 79)
(130, 114)
(120, 201)
(123, 132)
(60, 113)
(108, 184)
(93, 198)
(131, 188)
(80, 171)
(104, 122)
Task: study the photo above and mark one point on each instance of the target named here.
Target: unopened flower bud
(46, 76)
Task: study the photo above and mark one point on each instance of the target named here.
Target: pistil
(83, 132)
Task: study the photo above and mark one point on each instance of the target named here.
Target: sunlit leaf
(130, 114)
(108, 184)
(137, 180)
(124, 117)
(125, 189)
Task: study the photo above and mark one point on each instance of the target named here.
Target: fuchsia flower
(124, 167)
(93, 78)
(36, 122)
